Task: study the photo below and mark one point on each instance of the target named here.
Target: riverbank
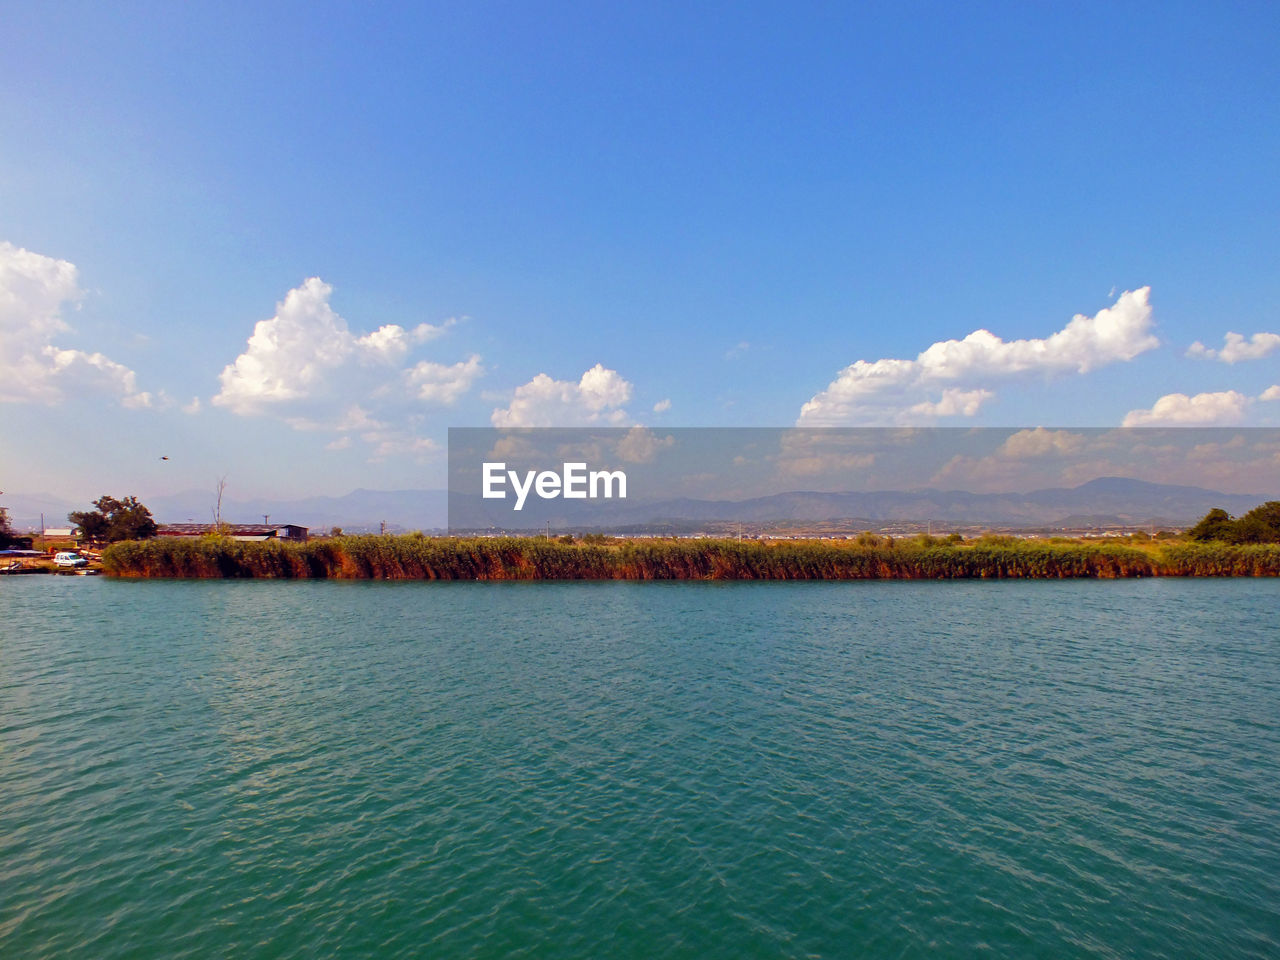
(417, 557)
(26, 566)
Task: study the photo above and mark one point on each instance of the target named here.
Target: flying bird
(164, 458)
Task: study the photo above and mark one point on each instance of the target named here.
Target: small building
(236, 531)
(71, 534)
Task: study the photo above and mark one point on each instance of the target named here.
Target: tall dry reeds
(415, 557)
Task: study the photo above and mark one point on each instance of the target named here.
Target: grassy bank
(415, 557)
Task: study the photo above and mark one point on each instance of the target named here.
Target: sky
(292, 244)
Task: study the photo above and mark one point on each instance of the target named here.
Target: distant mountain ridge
(1106, 500)
(1103, 500)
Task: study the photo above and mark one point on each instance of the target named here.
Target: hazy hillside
(1101, 501)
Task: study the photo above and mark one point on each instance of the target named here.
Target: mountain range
(1107, 500)
(1101, 502)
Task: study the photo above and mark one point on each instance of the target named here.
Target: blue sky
(564, 214)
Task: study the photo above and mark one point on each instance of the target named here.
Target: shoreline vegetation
(418, 557)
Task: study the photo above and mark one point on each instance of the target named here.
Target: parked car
(69, 558)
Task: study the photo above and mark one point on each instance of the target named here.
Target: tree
(1214, 525)
(6, 531)
(219, 488)
(1259, 525)
(114, 520)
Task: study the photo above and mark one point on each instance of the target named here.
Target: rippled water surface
(215, 769)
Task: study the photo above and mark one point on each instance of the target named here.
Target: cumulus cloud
(954, 402)
(306, 366)
(831, 455)
(443, 383)
(948, 379)
(34, 290)
(596, 399)
(1271, 393)
(297, 353)
(1236, 348)
(1178, 409)
(1040, 442)
(640, 445)
(662, 406)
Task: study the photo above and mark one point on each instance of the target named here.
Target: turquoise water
(1053, 769)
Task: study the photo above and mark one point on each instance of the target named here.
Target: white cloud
(193, 407)
(640, 445)
(954, 402)
(820, 453)
(398, 443)
(596, 399)
(308, 367)
(391, 341)
(294, 354)
(737, 350)
(662, 406)
(1271, 393)
(1178, 409)
(353, 418)
(443, 383)
(955, 371)
(1037, 443)
(1236, 348)
(34, 289)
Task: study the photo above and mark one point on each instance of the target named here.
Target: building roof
(231, 529)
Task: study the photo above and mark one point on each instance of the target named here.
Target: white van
(69, 559)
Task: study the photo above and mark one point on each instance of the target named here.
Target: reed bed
(417, 557)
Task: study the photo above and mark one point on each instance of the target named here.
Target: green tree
(114, 520)
(1259, 525)
(6, 530)
(1214, 525)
